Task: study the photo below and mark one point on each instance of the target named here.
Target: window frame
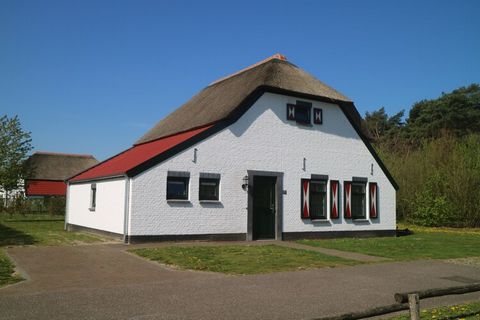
(307, 110)
(201, 197)
(186, 182)
(313, 215)
(353, 209)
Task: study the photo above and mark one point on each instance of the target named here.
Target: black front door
(264, 207)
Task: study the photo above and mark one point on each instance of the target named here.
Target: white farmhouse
(269, 152)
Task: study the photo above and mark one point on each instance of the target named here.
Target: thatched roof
(220, 99)
(58, 166)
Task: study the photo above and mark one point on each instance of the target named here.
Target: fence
(406, 301)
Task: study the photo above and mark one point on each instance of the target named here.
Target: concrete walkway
(106, 282)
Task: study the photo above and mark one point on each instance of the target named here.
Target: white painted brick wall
(109, 211)
(261, 140)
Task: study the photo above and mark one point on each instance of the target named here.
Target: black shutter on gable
(290, 111)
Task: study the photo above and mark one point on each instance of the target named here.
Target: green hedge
(439, 182)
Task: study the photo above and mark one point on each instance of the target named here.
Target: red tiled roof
(138, 154)
(45, 188)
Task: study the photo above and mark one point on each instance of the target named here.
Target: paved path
(106, 282)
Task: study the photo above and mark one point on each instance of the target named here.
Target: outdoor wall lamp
(245, 183)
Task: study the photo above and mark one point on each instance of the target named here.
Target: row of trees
(434, 155)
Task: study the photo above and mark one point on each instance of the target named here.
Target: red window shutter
(305, 210)
(347, 198)
(334, 199)
(373, 200)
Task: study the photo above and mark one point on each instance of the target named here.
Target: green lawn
(425, 243)
(235, 259)
(34, 230)
(461, 311)
(39, 230)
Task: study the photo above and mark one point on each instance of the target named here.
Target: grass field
(235, 259)
(39, 230)
(34, 230)
(425, 243)
(462, 311)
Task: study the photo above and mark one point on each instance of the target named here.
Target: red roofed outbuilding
(50, 170)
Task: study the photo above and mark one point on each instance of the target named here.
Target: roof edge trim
(100, 178)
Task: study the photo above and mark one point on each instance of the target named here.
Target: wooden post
(414, 306)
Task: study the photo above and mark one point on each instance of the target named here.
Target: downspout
(126, 210)
(65, 227)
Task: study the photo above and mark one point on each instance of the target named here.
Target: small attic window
(301, 112)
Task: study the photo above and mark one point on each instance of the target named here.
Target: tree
(457, 112)
(14, 147)
(383, 128)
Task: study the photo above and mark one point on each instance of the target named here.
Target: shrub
(22, 205)
(439, 182)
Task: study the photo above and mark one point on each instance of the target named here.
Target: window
(300, 112)
(358, 205)
(314, 197)
(318, 199)
(209, 189)
(93, 196)
(177, 188)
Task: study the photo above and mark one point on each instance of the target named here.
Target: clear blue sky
(93, 76)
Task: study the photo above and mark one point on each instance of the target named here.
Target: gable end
(348, 108)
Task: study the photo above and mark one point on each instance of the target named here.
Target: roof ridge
(276, 56)
(64, 154)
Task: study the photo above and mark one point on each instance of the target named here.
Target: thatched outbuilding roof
(58, 166)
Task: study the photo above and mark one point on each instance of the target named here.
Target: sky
(93, 76)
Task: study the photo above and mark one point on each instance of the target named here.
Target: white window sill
(361, 220)
(178, 200)
(321, 220)
(210, 201)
